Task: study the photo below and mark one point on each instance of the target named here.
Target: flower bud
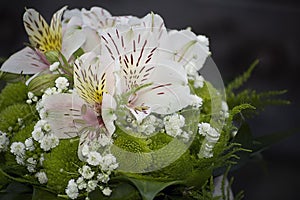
(40, 83)
(52, 56)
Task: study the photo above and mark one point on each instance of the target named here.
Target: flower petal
(66, 116)
(185, 47)
(109, 105)
(41, 35)
(25, 61)
(169, 91)
(92, 77)
(73, 38)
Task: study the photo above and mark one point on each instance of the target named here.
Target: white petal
(169, 91)
(26, 61)
(73, 38)
(97, 18)
(109, 105)
(92, 42)
(185, 47)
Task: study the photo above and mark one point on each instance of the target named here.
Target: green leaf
(150, 188)
(123, 191)
(10, 77)
(263, 142)
(16, 191)
(257, 145)
(40, 194)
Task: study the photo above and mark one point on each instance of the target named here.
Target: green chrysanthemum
(61, 164)
(13, 93)
(16, 116)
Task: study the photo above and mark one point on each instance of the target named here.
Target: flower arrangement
(119, 107)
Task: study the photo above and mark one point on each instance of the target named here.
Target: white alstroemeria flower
(151, 82)
(43, 38)
(92, 23)
(87, 111)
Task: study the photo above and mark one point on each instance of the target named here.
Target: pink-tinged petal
(73, 38)
(65, 115)
(25, 61)
(109, 106)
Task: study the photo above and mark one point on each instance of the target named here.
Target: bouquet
(118, 107)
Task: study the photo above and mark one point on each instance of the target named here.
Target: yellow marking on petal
(89, 86)
(41, 35)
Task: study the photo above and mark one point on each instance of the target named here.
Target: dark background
(240, 31)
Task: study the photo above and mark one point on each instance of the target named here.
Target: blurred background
(240, 31)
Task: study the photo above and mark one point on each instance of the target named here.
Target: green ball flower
(62, 164)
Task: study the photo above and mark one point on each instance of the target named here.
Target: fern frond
(258, 100)
(240, 80)
(238, 109)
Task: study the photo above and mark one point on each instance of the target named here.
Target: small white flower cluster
(150, 125)
(42, 177)
(54, 66)
(89, 181)
(211, 138)
(4, 141)
(224, 110)
(18, 149)
(62, 84)
(196, 101)
(174, 124)
(106, 162)
(194, 75)
(31, 164)
(41, 134)
(96, 173)
(31, 98)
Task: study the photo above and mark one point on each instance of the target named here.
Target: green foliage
(11, 78)
(13, 93)
(61, 165)
(121, 191)
(11, 115)
(240, 80)
(212, 100)
(41, 194)
(248, 96)
(130, 143)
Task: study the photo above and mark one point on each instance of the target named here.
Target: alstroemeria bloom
(92, 23)
(152, 81)
(88, 111)
(43, 38)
